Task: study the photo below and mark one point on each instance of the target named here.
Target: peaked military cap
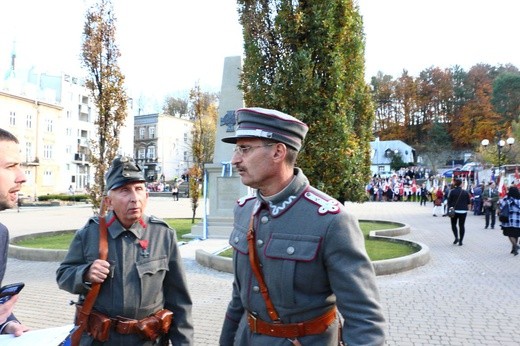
(123, 170)
(269, 124)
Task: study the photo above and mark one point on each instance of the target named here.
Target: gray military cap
(269, 124)
(123, 170)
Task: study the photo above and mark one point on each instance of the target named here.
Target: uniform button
(260, 242)
(236, 240)
(290, 250)
(264, 219)
(256, 289)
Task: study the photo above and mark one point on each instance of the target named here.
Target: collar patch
(330, 206)
(278, 208)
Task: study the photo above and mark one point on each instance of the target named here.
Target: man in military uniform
(144, 273)
(299, 256)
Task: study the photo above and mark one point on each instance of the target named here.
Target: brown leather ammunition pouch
(148, 328)
(98, 324)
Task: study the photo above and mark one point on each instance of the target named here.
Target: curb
(225, 264)
(32, 254)
(381, 267)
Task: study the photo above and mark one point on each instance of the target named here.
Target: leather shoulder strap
(90, 298)
(257, 271)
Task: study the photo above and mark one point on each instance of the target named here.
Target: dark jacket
(459, 203)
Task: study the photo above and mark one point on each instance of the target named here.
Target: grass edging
(381, 267)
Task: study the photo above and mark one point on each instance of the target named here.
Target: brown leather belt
(315, 326)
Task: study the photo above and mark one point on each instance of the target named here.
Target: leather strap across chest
(257, 271)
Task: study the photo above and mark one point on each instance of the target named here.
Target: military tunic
(145, 276)
(313, 257)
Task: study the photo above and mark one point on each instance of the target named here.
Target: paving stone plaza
(465, 295)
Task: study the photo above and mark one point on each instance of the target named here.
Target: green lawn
(61, 241)
(376, 249)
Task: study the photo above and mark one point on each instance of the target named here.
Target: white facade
(53, 117)
(163, 145)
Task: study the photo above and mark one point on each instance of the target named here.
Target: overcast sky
(169, 45)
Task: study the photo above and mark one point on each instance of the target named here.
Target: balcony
(80, 158)
(33, 161)
(83, 142)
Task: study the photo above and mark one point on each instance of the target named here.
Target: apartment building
(162, 145)
(53, 117)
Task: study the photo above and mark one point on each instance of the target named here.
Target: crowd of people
(479, 198)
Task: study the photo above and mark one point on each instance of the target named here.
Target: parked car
(449, 173)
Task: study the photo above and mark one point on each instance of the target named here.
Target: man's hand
(7, 308)
(15, 328)
(98, 271)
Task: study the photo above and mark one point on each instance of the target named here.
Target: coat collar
(285, 199)
(115, 229)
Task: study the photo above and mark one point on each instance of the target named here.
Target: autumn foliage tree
(105, 81)
(204, 114)
(445, 111)
(306, 58)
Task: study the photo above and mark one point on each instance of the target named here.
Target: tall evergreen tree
(106, 83)
(306, 58)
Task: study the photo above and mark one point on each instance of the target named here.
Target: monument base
(228, 189)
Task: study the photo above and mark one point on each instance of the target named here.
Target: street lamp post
(500, 146)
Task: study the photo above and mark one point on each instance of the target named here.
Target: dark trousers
(477, 206)
(423, 200)
(461, 219)
(490, 212)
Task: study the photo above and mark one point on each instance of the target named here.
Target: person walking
(11, 179)
(424, 195)
(459, 200)
(299, 256)
(511, 228)
(175, 190)
(477, 199)
(490, 199)
(142, 281)
(437, 196)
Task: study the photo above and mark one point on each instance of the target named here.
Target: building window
(28, 152)
(48, 125)
(151, 152)
(151, 132)
(28, 121)
(185, 156)
(12, 118)
(141, 154)
(141, 133)
(185, 137)
(47, 151)
(47, 178)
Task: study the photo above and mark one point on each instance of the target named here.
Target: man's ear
(108, 202)
(280, 151)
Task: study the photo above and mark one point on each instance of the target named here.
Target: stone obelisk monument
(223, 184)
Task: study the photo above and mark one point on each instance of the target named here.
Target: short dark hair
(513, 192)
(457, 182)
(7, 136)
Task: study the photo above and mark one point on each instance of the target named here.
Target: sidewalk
(465, 295)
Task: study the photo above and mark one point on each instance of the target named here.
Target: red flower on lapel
(144, 244)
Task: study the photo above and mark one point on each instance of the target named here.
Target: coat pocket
(292, 264)
(152, 273)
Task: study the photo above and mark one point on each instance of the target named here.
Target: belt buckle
(254, 321)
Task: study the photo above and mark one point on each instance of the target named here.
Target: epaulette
(242, 201)
(155, 219)
(93, 219)
(326, 205)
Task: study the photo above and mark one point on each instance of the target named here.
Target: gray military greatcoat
(313, 257)
(143, 280)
